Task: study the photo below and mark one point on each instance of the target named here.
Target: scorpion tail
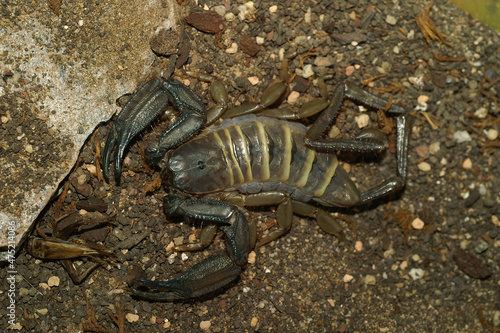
(203, 278)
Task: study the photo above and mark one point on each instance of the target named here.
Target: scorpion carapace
(247, 161)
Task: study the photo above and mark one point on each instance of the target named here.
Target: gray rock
(61, 78)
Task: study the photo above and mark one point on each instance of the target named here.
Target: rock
(471, 265)
(70, 92)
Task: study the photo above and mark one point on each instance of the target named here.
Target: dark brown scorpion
(247, 160)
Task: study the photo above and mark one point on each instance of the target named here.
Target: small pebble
(28, 148)
(331, 302)
(417, 224)
(391, 20)
(462, 136)
(467, 164)
(253, 80)
(349, 70)
(232, 49)
(370, 280)
(254, 321)
(179, 240)
(184, 256)
(362, 120)
(307, 72)
(53, 281)
(434, 147)
(273, 9)
(44, 286)
(481, 247)
(5, 120)
(403, 265)
(43, 311)
(91, 168)
(205, 325)
(495, 220)
(251, 257)
(358, 246)
(293, 97)
(492, 134)
(416, 273)
(132, 318)
(481, 113)
(422, 99)
(348, 278)
(192, 238)
(424, 166)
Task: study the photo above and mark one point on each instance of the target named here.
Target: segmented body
(258, 154)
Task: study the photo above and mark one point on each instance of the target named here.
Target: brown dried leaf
(55, 5)
(428, 27)
(471, 265)
(165, 42)
(208, 21)
(248, 45)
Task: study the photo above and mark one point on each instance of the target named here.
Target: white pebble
(273, 9)
(362, 120)
(132, 318)
(253, 80)
(232, 49)
(307, 72)
(416, 273)
(251, 257)
(492, 134)
(482, 112)
(53, 281)
(434, 147)
(184, 257)
(348, 278)
(417, 224)
(424, 166)
(205, 325)
(358, 246)
(462, 136)
(28, 148)
(259, 40)
(293, 97)
(391, 20)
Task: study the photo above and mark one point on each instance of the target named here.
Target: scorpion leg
(206, 238)
(325, 221)
(368, 140)
(214, 272)
(218, 93)
(145, 106)
(284, 212)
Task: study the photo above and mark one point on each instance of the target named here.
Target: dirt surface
(391, 274)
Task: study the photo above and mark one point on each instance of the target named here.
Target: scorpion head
(197, 167)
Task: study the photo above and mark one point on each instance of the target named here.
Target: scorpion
(255, 157)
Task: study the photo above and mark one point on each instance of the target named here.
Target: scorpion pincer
(247, 160)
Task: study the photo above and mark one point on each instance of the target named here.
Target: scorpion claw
(142, 108)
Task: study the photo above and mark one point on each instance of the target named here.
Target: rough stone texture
(61, 76)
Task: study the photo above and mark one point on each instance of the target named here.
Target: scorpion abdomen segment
(255, 154)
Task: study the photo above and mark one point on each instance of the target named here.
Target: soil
(391, 273)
